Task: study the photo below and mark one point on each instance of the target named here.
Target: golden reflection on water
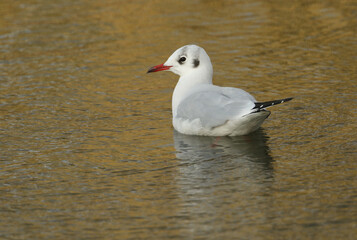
(87, 146)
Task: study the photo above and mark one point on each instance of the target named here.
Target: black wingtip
(261, 105)
(287, 99)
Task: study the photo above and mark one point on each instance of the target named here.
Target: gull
(201, 108)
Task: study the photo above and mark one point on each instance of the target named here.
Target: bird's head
(186, 60)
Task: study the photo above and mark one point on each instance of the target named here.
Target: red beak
(158, 68)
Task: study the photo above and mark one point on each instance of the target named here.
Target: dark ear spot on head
(196, 62)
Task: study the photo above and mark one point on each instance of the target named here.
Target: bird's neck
(188, 84)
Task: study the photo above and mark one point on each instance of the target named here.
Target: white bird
(201, 108)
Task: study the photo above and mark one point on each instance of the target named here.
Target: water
(87, 146)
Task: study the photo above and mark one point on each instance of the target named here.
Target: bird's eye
(182, 60)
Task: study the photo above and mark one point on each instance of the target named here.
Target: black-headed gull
(201, 108)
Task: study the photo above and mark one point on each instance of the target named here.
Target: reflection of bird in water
(223, 181)
(251, 148)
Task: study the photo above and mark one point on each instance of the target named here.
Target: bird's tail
(261, 105)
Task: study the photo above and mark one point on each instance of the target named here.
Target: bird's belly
(234, 127)
(190, 127)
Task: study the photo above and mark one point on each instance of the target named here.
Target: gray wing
(215, 107)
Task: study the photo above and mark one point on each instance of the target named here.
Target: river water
(87, 148)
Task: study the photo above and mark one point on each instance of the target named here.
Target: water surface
(87, 146)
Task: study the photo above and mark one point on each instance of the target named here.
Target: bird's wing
(216, 106)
